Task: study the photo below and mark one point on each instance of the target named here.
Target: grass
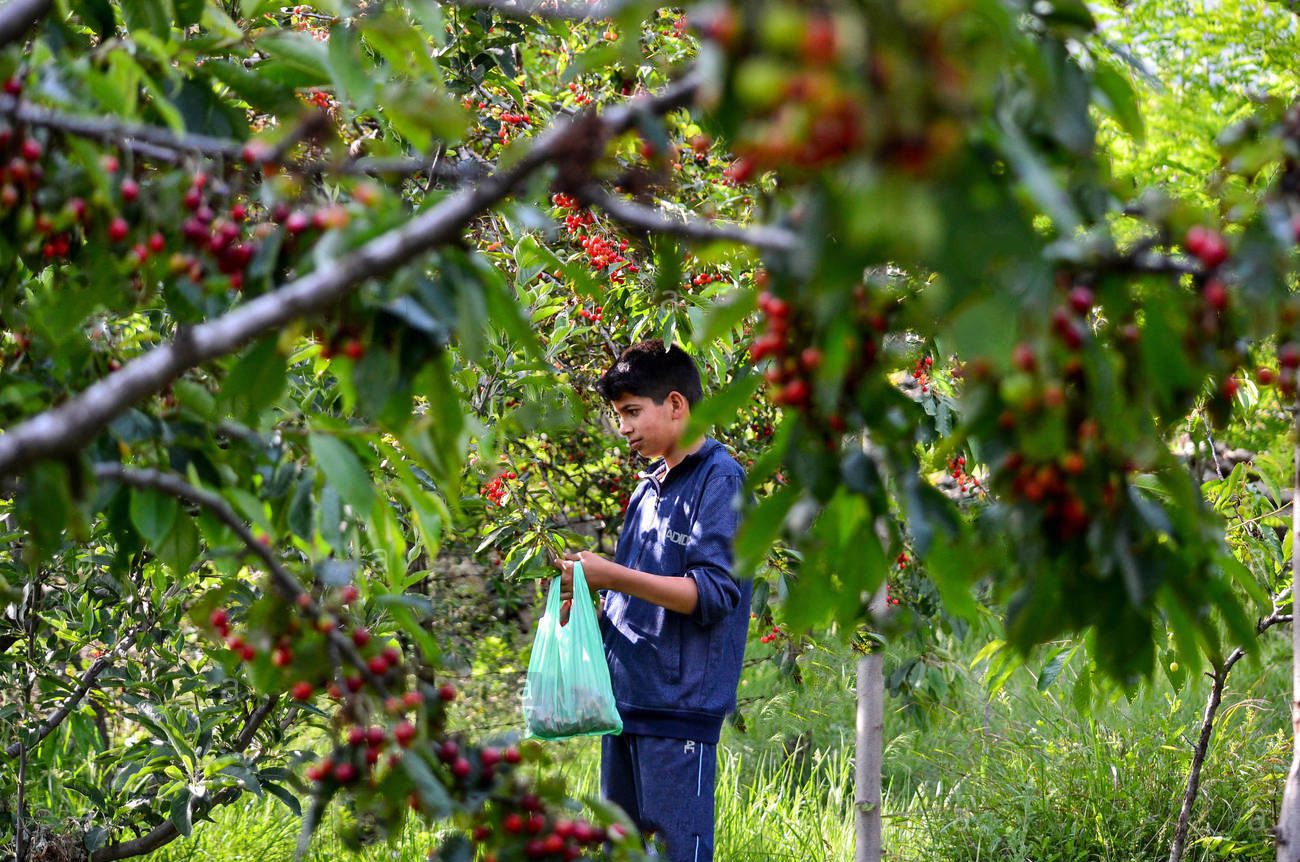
(1021, 776)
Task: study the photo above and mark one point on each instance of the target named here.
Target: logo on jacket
(689, 748)
(677, 538)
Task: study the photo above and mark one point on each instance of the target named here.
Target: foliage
(328, 293)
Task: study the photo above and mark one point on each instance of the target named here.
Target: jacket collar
(656, 473)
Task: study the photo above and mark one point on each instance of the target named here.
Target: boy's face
(652, 430)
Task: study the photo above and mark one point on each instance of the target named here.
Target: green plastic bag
(567, 692)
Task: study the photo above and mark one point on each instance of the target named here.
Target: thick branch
(84, 685)
(283, 580)
(167, 832)
(168, 147)
(64, 429)
(17, 17)
(561, 10)
(762, 237)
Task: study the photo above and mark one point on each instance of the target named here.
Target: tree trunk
(868, 846)
(1288, 821)
(1198, 761)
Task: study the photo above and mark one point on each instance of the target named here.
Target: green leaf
(255, 382)
(153, 513)
(257, 91)
(181, 814)
(180, 547)
(300, 53)
(284, 795)
(1115, 95)
(1052, 669)
(722, 407)
(433, 795)
(457, 848)
(343, 470)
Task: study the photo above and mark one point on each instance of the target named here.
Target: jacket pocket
(658, 645)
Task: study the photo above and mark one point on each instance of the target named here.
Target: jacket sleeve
(709, 551)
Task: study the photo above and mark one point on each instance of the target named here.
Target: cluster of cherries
(789, 373)
(545, 837)
(1047, 484)
(595, 315)
(775, 633)
(957, 470)
(921, 372)
(496, 490)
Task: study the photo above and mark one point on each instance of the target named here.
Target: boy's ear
(679, 404)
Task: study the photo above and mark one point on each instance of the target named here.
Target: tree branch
(762, 237)
(1218, 679)
(560, 10)
(166, 832)
(83, 685)
(168, 147)
(17, 16)
(284, 581)
(62, 430)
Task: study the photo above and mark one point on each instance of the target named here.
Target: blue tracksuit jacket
(675, 675)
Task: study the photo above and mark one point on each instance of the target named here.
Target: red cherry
(1023, 357)
(1082, 299)
(157, 242)
(219, 618)
(1288, 355)
(118, 229)
(247, 653)
(1207, 244)
(297, 222)
(354, 349)
(412, 699)
(77, 209)
(447, 692)
(1216, 295)
(513, 823)
(404, 732)
(1265, 376)
(302, 690)
(1229, 388)
(552, 844)
(819, 40)
(361, 637)
(448, 751)
(282, 657)
(512, 755)
(193, 198)
(490, 756)
(810, 358)
(31, 150)
(130, 190)
(345, 773)
(460, 768)
(378, 665)
(796, 393)
(481, 834)
(356, 736)
(348, 594)
(14, 87)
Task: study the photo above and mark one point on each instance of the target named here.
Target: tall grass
(1021, 776)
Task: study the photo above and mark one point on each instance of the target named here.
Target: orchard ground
(1017, 775)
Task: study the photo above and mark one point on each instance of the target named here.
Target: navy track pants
(666, 787)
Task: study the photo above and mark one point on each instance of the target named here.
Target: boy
(674, 617)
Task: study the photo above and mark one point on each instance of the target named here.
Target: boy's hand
(565, 565)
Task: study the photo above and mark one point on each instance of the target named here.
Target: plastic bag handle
(581, 593)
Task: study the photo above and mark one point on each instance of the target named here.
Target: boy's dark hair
(647, 370)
